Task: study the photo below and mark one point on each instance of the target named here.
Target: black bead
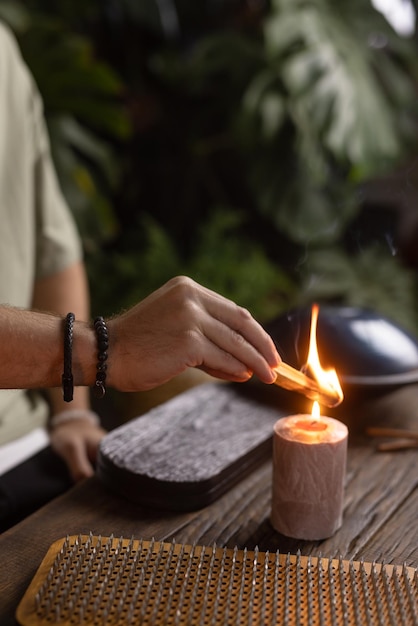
(102, 355)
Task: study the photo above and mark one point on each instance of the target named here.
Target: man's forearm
(32, 350)
(180, 325)
(61, 293)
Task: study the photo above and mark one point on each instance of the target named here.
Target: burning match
(290, 378)
(324, 386)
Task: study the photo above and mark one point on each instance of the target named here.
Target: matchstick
(290, 378)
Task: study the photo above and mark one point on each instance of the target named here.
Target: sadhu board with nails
(95, 580)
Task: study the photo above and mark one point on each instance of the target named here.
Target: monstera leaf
(333, 91)
(330, 107)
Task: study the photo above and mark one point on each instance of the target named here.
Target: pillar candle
(309, 465)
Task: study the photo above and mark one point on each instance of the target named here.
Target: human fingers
(77, 445)
(238, 319)
(222, 337)
(182, 325)
(235, 330)
(228, 351)
(77, 460)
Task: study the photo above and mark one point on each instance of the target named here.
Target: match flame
(326, 379)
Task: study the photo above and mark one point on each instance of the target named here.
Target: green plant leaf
(72, 80)
(373, 279)
(331, 85)
(14, 14)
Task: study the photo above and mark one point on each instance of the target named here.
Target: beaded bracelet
(101, 367)
(67, 376)
(74, 414)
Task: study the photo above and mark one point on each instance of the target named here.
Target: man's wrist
(84, 354)
(72, 415)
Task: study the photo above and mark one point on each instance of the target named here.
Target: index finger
(241, 321)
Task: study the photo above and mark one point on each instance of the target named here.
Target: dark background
(267, 149)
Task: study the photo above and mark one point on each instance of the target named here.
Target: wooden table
(380, 514)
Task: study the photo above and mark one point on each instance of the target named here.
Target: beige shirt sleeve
(38, 236)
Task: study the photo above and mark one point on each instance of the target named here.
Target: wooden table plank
(381, 504)
(370, 523)
(398, 540)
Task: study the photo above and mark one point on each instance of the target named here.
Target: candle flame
(316, 411)
(327, 379)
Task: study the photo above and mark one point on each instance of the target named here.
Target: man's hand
(178, 326)
(77, 441)
(183, 325)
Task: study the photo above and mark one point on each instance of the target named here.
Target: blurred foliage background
(267, 149)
